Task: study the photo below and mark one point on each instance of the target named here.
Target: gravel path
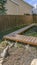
(21, 56)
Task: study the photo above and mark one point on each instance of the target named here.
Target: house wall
(12, 8)
(20, 9)
(24, 8)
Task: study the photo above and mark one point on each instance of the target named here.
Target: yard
(21, 54)
(18, 32)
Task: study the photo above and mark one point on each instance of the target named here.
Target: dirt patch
(21, 56)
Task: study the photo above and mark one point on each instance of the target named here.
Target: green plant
(2, 7)
(4, 43)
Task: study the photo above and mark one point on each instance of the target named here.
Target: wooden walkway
(21, 38)
(15, 36)
(20, 30)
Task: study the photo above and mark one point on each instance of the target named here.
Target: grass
(31, 32)
(11, 30)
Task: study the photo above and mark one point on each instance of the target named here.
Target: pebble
(27, 47)
(5, 52)
(1, 61)
(11, 45)
(34, 62)
(15, 45)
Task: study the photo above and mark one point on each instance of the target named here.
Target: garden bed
(10, 30)
(31, 32)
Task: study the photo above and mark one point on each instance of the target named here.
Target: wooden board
(21, 38)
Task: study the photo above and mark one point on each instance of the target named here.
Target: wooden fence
(8, 21)
(34, 18)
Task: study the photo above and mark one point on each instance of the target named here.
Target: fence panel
(9, 21)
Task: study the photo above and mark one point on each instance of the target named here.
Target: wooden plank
(21, 30)
(21, 38)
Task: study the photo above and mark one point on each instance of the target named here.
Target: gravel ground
(21, 56)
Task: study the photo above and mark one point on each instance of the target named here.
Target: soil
(21, 56)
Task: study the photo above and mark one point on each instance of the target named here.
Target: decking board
(21, 38)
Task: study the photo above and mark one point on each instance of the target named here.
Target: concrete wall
(20, 9)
